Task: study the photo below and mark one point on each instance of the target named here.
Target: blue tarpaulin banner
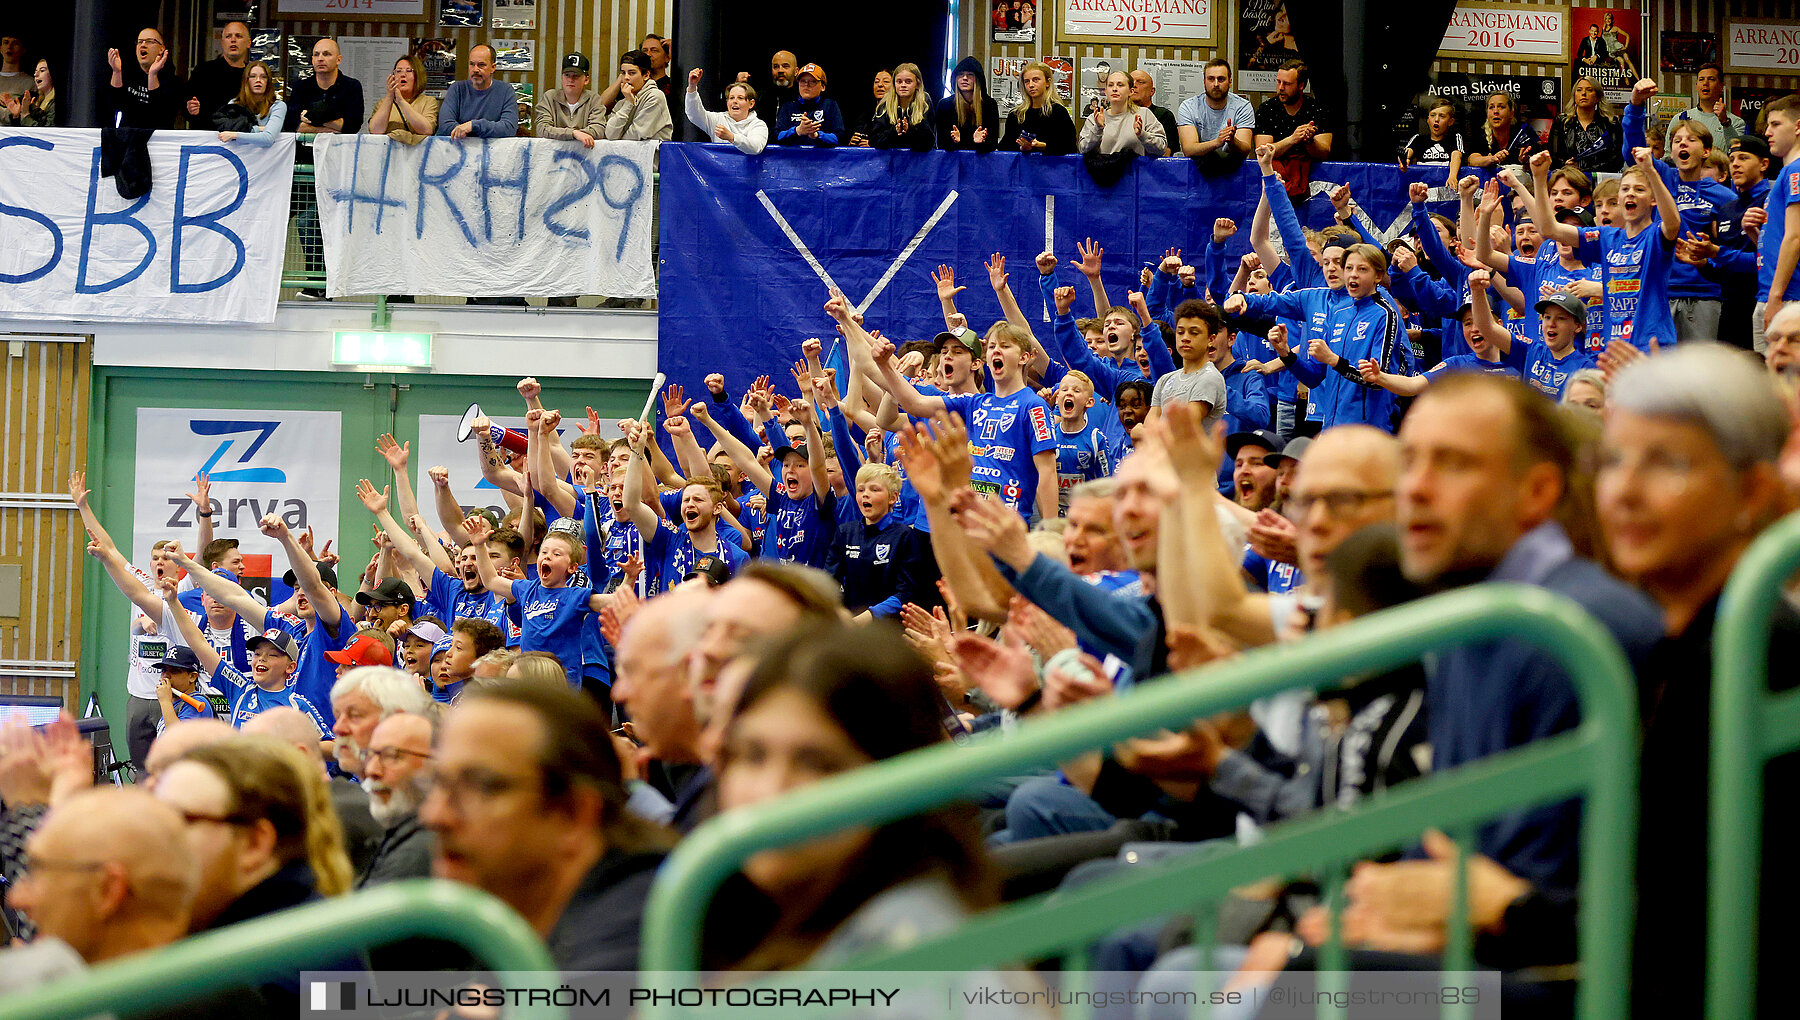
(748, 242)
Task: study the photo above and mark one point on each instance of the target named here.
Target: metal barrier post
(1599, 758)
(285, 943)
(1749, 726)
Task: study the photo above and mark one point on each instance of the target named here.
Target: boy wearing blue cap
(179, 692)
(273, 657)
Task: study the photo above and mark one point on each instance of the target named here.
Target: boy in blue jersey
(553, 611)
(318, 623)
(1778, 247)
(622, 543)
(801, 508)
(448, 596)
(1562, 320)
(1636, 256)
(273, 656)
(1553, 270)
(673, 547)
(1009, 430)
(1495, 348)
(468, 640)
(1695, 299)
(1082, 452)
(1360, 324)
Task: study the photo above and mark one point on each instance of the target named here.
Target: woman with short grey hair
(1687, 481)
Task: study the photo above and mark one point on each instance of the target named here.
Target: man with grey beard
(397, 754)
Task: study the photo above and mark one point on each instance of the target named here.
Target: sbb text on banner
(205, 243)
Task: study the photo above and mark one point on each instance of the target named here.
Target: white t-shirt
(1179, 387)
(14, 83)
(147, 650)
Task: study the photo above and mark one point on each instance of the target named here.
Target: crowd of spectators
(763, 584)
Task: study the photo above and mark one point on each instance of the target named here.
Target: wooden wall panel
(43, 436)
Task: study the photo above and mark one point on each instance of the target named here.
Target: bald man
(178, 740)
(651, 685)
(779, 89)
(361, 832)
(111, 875)
(216, 82)
(1344, 483)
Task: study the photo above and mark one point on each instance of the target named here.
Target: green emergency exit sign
(372, 349)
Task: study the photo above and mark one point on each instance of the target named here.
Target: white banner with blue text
(203, 244)
(486, 217)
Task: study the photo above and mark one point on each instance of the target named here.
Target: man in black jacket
(147, 94)
(216, 82)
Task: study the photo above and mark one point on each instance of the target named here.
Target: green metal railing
(281, 945)
(305, 263)
(1598, 759)
(1749, 727)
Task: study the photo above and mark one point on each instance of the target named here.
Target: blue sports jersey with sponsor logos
(315, 674)
(449, 600)
(1551, 277)
(672, 553)
(1550, 376)
(800, 530)
(249, 700)
(551, 620)
(1005, 434)
(1637, 281)
(1080, 457)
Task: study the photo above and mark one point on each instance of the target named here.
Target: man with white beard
(397, 754)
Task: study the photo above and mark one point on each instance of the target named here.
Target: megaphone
(507, 439)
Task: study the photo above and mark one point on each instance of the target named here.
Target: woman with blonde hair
(968, 118)
(405, 113)
(1587, 138)
(1502, 139)
(1122, 126)
(903, 118)
(538, 667)
(255, 116)
(1040, 123)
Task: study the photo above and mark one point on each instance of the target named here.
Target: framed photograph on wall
(354, 10)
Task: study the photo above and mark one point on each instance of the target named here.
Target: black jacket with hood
(990, 114)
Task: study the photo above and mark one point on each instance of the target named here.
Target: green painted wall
(367, 413)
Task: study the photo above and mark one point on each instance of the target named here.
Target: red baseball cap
(364, 651)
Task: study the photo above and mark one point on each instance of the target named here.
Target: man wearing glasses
(108, 874)
(399, 750)
(526, 797)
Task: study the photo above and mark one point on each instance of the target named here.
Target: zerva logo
(245, 449)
